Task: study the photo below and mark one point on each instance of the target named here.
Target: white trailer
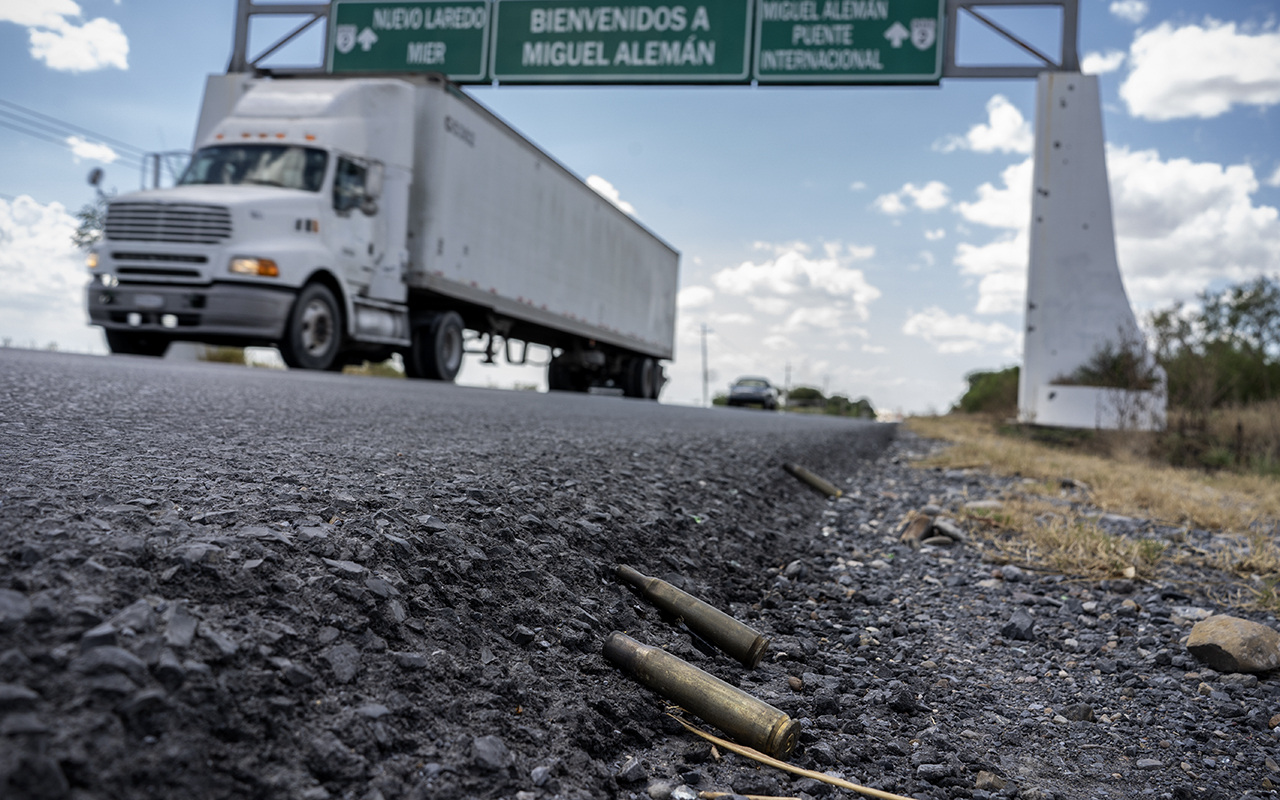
(344, 219)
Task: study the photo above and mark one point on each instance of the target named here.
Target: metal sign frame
(246, 10)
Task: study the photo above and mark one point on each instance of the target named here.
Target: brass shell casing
(746, 719)
(733, 637)
(822, 485)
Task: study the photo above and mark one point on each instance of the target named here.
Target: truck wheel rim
(451, 345)
(317, 327)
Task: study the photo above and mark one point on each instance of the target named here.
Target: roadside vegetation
(1215, 468)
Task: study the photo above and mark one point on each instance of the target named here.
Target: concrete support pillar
(1076, 302)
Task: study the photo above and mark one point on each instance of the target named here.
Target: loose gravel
(219, 582)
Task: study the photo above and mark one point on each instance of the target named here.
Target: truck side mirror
(373, 181)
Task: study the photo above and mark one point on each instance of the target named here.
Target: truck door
(356, 239)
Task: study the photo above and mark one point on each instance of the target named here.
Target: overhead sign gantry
(1076, 302)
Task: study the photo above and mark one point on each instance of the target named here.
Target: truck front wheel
(137, 344)
(313, 333)
(437, 348)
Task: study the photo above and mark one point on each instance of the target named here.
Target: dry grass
(1244, 438)
(1124, 483)
(1035, 531)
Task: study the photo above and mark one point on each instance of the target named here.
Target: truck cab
(287, 228)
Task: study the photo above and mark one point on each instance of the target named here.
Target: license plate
(148, 301)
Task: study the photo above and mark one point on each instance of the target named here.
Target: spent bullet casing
(821, 484)
(733, 637)
(746, 719)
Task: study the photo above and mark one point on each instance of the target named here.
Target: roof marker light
(310, 137)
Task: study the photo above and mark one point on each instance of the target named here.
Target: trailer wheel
(437, 348)
(137, 344)
(313, 333)
(639, 380)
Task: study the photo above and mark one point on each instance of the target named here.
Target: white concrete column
(1076, 302)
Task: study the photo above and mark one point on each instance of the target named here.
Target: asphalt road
(319, 585)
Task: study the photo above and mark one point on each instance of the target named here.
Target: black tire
(313, 334)
(437, 348)
(137, 344)
(640, 379)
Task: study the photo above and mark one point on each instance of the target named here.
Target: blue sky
(872, 237)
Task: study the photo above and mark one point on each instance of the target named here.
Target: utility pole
(705, 331)
(786, 386)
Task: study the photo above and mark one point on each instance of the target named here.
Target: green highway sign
(446, 36)
(848, 41)
(593, 41)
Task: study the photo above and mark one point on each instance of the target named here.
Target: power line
(73, 127)
(128, 159)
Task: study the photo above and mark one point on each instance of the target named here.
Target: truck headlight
(255, 266)
(91, 261)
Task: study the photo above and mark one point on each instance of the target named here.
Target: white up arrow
(368, 39)
(896, 34)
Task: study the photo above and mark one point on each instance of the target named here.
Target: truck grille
(164, 222)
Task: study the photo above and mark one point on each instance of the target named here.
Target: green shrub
(991, 393)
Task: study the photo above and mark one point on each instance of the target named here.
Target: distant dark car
(753, 391)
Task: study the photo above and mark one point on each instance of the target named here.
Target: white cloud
(694, 297)
(93, 151)
(60, 43)
(608, 192)
(769, 305)
(1274, 180)
(857, 186)
(1180, 226)
(929, 197)
(935, 235)
(1008, 206)
(859, 253)
(732, 318)
(873, 348)
(927, 258)
(793, 273)
(1130, 10)
(1005, 131)
(43, 276)
(1201, 70)
(1101, 63)
(956, 333)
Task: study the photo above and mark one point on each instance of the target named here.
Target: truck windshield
(287, 166)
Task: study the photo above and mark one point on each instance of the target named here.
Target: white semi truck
(345, 219)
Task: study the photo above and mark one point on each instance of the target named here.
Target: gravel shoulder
(217, 582)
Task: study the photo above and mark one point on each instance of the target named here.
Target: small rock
(1240, 679)
(225, 644)
(345, 567)
(14, 608)
(296, 675)
(931, 509)
(1231, 644)
(631, 771)
(988, 781)
(933, 773)
(16, 697)
(684, 793)
(381, 588)
(795, 683)
(168, 670)
(1080, 712)
(180, 628)
(410, 660)
(1020, 627)
(138, 617)
(948, 527)
(540, 775)
(1012, 573)
(373, 710)
(431, 523)
(344, 660)
(200, 553)
(1149, 763)
(107, 660)
(490, 753)
(938, 541)
(522, 635)
(39, 776)
(100, 636)
(659, 790)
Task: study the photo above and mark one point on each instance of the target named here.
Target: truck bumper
(220, 312)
